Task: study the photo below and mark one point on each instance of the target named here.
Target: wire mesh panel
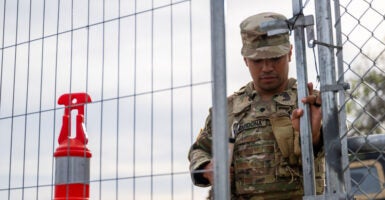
(365, 53)
(363, 28)
(138, 61)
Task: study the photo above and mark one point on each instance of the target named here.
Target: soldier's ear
(290, 52)
(245, 59)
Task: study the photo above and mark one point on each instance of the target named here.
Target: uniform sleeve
(200, 154)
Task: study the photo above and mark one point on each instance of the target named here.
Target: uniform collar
(252, 93)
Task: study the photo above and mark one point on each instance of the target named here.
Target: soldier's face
(269, 75)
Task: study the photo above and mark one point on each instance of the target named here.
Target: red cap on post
(75, 146)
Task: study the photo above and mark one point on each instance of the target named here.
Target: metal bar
(305, 126)
(218, 67)
(365, 144)
(325, 197)
(341, 95)
(334, 176)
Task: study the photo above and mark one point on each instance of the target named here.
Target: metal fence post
(219, 122)
(305, 126)
(332, 143)
(341, 96)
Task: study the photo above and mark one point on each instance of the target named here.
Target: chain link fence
(363, 40)
(364, 56)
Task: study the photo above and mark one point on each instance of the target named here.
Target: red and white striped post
(72, 172)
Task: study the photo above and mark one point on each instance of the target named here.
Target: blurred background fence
(147, 67)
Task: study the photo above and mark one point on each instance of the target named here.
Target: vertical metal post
(342, 113)
(332, 143)
(219, 121)
(305, 125)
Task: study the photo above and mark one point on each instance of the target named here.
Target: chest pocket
(282, 126)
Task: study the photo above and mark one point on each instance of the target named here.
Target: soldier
(264, 117)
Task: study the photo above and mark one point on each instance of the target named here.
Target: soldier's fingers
(313, 100)
(317, 101)
(310, 87)
(309, 99)
(208, 174)
(297, 113)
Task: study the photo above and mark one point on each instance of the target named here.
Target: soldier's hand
(315, 113)
(208, 174)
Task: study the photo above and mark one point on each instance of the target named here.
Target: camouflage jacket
(264, 163)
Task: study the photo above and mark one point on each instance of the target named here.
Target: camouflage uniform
(266, 154)
(265, 164)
